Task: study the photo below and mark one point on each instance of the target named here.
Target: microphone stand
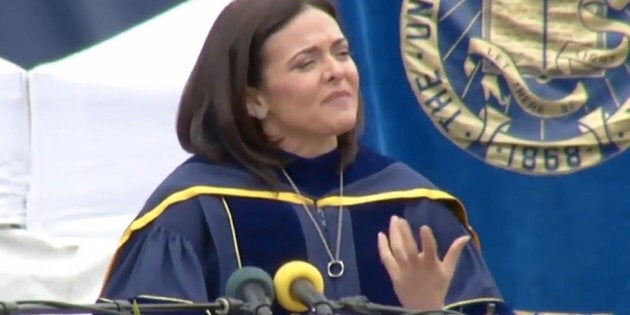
(360, 304)
(222, 306)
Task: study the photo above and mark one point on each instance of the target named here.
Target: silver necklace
(335, 265)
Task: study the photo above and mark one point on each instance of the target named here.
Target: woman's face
(310, 83)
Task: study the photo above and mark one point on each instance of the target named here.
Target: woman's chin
(344, 125)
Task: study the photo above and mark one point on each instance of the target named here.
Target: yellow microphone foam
(289, 273)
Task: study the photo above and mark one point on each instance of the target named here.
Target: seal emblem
(535, 87)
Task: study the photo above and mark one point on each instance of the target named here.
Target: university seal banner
(522, 109)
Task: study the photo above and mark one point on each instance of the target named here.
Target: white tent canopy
(14, 144)
(102, 136)
(155, 54)
(103, 132)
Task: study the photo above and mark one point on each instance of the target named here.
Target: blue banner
(521, 109)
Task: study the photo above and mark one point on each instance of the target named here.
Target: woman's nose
(334, 70)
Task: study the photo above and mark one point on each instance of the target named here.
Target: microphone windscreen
(287, 275)
(247, 275)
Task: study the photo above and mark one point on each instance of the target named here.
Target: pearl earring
(257, 111)
(262, 112)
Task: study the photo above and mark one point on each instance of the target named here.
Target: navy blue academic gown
(207, 220)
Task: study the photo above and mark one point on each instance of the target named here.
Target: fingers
(385, 253)
(454, 251)
(407, 237)
(402, 243)
(429, 246)
(400, 249)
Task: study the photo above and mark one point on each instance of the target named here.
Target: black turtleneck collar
(316, 176)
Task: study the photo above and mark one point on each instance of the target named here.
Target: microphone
(254, 286)
(299, 287)
(222, 306)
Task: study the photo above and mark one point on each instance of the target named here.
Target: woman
(271, 112)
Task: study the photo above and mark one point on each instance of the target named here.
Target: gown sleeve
(156, 262)
(170, 260)
(473, 289)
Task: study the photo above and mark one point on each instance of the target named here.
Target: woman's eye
(305, 64)
(344, 53)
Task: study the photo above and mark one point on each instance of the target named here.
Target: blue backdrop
(478, 96)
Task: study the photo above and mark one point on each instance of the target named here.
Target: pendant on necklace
(336, 268)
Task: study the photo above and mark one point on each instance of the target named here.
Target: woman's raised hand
(420, 279)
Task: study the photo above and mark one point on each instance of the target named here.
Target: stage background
(554, 237)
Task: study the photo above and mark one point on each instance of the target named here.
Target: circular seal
(522, 86)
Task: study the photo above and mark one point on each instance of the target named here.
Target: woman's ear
(255, 107)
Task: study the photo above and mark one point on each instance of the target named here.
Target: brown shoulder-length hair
(212, 120)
